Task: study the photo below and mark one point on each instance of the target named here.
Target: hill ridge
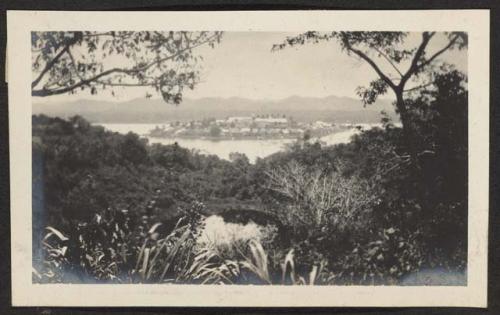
(142, 110)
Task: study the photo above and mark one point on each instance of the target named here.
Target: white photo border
(25, 293)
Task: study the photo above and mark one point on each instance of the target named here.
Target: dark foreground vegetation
(111, 208)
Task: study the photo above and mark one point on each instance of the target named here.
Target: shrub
(392, 254)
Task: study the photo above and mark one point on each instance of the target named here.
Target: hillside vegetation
(112, 208)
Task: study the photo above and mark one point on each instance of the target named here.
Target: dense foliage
(111, 207)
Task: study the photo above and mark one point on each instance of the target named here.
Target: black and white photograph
(215, 158)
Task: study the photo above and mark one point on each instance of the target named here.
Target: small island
(255, 127)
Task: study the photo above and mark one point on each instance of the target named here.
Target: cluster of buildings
(241, 127)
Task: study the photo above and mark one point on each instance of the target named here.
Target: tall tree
(67, 62)
(387, 50)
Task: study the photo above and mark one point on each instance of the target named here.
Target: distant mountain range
(142, 110)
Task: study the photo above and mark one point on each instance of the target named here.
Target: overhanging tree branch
(46, 92)
(371, 63)
(389, 61)
(49, 66)
(426, 37)
(438, 53)
(96, 78)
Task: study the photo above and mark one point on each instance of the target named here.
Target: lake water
(251, 148)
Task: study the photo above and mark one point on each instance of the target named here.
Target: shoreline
(245, 137)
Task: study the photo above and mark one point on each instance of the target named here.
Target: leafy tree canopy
(389, 50)
(67, 62)
(377, 48)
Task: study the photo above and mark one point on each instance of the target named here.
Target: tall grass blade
(173, 252)
(145, 263)
(56, 233)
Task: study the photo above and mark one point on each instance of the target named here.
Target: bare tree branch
(418, 87)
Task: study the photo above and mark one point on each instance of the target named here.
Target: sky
(242, 65)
